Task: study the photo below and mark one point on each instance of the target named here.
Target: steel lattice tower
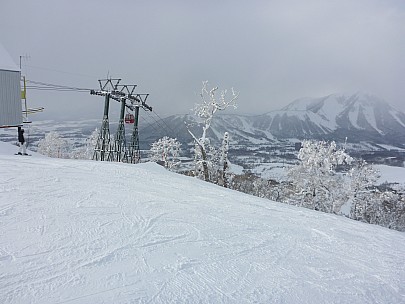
(137, 101)
(120, 146)
(134, 152)
(117, 150)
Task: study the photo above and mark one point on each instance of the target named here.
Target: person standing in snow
(21, 141)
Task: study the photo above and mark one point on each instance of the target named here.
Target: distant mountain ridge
(357, 117)
(358, 111)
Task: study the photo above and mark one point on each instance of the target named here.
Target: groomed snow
(96, 232)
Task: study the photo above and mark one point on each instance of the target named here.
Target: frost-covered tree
(166, 150)
(91, 143)
(211, 103)
(254, 185)
(223, 171)
(87, 150)
(362, 178)
(392, 211)
(315, 181)
(381, 208)
(206, 162)
(53, 145)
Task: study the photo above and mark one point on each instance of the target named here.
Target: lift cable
(149, 124)
(156, 121)
(155, 117)
(163, 125)
(166, 124)
(37, 85)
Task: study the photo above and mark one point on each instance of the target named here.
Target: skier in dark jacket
(21, 141)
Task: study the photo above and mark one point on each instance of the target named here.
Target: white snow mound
(98, 232)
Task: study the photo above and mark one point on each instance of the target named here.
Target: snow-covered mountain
(98, 232)
(357, 117)
(362, 115)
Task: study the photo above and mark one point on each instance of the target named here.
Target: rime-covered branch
(211, 103)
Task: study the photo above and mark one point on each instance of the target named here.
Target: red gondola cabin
(129, 119)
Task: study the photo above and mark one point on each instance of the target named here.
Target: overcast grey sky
(271, 51)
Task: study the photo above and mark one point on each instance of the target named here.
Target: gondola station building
(10, 91)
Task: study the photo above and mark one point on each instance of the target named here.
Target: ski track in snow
(92, 232)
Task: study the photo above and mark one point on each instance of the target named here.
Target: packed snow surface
(97, 232)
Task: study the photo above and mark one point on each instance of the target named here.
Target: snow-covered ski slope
(97, 232)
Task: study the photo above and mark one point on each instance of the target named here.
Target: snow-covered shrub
(87, 150)
(166, 150)
(362, 179)
(53, 145)
(381, 208)
(316, 184)
(254, 185)
(91, 144)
